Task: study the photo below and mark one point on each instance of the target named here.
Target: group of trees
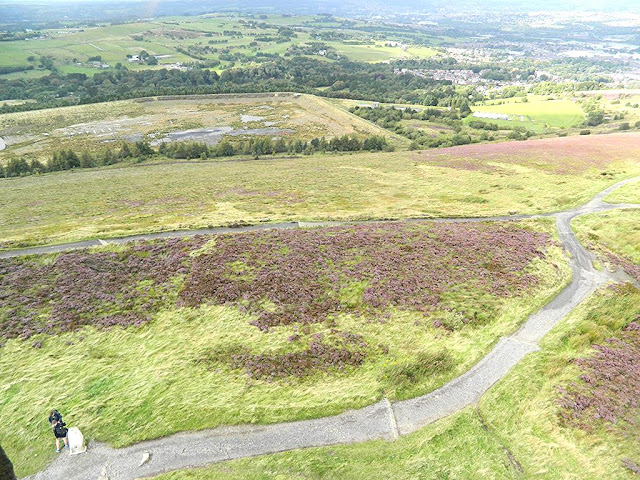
(391, 119)
(388, 117)
(594, 113)
(68, 159)
(258, 146)
(457, 134)
(344, 78)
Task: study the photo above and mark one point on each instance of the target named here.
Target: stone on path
(145, 458)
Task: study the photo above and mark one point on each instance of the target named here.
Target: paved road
(380, 421)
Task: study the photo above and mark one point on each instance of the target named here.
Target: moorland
(396, 199)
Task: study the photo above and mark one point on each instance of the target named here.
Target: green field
(515, 433)
(378, 52)
(537, 113)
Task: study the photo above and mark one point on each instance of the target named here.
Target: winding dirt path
(382, 420)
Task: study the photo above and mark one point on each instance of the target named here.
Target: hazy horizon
(527, 5)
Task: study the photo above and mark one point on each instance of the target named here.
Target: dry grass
(519, 423)
(37, 134)
(74, 205)
(628, 194)
(614, 236)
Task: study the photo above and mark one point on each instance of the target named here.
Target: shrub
(342, 350)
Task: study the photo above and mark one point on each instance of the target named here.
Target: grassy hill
(39, 133)
(477, 180)
(209, 329)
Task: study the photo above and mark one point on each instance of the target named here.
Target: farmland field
(378, 52)
(202, 118)
(538, 112)
(522, 428)
(181, 40)
(226, 339)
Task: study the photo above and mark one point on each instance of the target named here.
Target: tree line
(69, 159)
(340, 79)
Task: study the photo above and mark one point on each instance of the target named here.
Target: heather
(209, 363)
(452, 274)
(562, 156)
(64, 293)
(282, 277)
(573, 406)
(608, 390)
(308, 276)
(349, 350)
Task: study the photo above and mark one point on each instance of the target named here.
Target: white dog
(76, 441)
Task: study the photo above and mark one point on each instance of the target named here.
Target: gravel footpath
(380, 421)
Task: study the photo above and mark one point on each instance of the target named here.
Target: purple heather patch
(609, 386)
(410, 266)
(279, 277)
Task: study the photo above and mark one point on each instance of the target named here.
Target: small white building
(491, 115)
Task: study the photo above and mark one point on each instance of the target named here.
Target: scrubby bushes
(454, 134)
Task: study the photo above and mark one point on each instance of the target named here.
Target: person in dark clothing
(60, 432)
(6, 467)
(54, 415)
